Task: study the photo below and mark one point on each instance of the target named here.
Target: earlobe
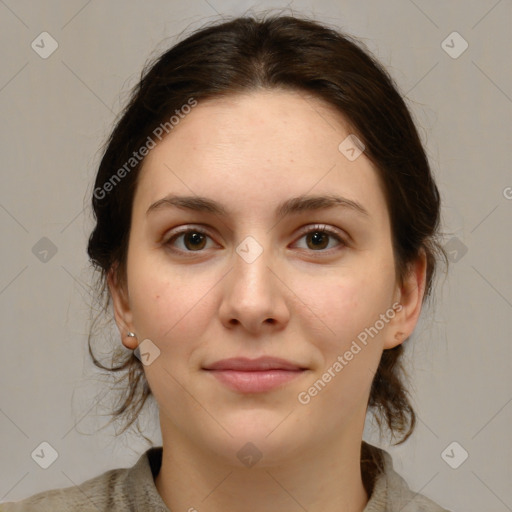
(410, 298)
(122, 311)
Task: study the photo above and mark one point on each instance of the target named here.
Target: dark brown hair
(286, 53)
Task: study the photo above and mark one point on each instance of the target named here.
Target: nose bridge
(251, 267)
(253, 294)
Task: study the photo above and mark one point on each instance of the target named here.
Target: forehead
(255, 147)
(272, 122)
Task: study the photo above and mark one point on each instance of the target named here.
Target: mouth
(255, 375)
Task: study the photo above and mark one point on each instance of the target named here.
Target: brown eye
(195, 239)
(318, 238)
(192, 240)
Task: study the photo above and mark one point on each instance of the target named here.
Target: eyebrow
(294, 205)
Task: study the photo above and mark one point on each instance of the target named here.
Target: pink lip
(254, 375)
(253, 365)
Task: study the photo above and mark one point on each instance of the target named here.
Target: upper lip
(254, 365)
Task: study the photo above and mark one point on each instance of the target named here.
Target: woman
(266, 231)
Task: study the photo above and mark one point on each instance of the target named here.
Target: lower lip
(255, 381)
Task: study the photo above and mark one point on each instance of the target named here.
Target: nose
(254, 295)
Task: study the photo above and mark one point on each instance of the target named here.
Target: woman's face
(259, 281)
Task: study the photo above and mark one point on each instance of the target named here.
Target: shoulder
(391, 491)
(115, 490)
(91, 495)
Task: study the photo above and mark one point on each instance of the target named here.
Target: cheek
(348, 349)
(172, 309)
(167, 303)
(344, 308)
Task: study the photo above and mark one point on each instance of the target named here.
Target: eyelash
(322, 228)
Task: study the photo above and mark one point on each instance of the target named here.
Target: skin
(295, 301)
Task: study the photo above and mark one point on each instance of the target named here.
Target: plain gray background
(58, 111)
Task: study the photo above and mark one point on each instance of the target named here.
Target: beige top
(133, 489)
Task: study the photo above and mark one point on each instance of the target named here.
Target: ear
(122, 311)
(408, 297)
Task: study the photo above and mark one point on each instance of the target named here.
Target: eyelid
(323, 227)
(195, 228)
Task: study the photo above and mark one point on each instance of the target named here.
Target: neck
(325, 476)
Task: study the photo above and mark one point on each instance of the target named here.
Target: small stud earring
(131, 335)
